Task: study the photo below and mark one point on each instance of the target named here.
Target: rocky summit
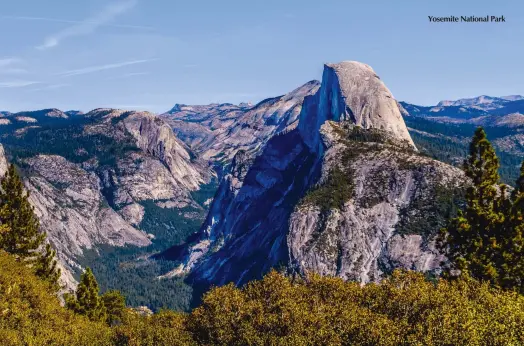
(346, 193)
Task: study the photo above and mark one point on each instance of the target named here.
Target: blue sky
(139, 54)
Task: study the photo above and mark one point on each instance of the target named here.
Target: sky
(150, 55)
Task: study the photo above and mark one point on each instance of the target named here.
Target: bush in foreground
(404, 309)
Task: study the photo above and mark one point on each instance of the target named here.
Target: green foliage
(405, 309)
(485, 240)
(115, 306)
(23, 237)
(30, 313)
(333, 193)
(46, 267)
(86, 300)
(19, 229)
(130, 271)
(164, 328)
(449, 143)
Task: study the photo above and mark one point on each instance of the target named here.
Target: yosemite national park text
(467, 19)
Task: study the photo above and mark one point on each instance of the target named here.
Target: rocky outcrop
(345, 193)
(3, 161)
(73, 212)
(382, 224)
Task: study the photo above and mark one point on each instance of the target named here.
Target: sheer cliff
(344, 193)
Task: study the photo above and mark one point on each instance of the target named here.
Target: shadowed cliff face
(340, 195)
(218, 132)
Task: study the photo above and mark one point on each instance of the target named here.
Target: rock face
(218, 132)
(100, 170)
(345, 193)
(3, 161)
(396, 201)
(351, 91)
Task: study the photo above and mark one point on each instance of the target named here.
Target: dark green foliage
(115, 306)
(46, 267)
(130, 271)
(449, 143)
(115, 268)
(23, 237)
(485, 240)
(430, 209)
(86, 300)
(333, 193)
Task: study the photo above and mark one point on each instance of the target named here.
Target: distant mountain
(443, 131)
(482, 102)
(218, 131)
(74, 113)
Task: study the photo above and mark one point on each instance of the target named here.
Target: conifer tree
(513, 246)
(115, 305)
(473, 240)
(23, 237)
(86, 300)
(47, 267)
(19, 229)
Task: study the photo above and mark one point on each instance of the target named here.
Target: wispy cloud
(17, 84)
(90, 24)
(127, 75)
(92, 69)
(8, 61)
(6, 66)
(55, 20)
(52, 87)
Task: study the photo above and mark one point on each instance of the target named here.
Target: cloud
(8, 61)
(51, 87)
(127, 75)
(55, 20)
(89, 25)
(92, 69)
(17, 84)
(6, 66)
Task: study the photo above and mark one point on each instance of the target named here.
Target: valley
(161, 205)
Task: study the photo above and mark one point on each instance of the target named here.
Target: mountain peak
(352, 91)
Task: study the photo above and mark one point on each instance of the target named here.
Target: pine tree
(86, 300)
(19, 229)
(473, 240)
(513, 246)
(23, 238)
(47, 267)
(115, 305)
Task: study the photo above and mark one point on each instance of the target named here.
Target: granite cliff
(345, 193)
